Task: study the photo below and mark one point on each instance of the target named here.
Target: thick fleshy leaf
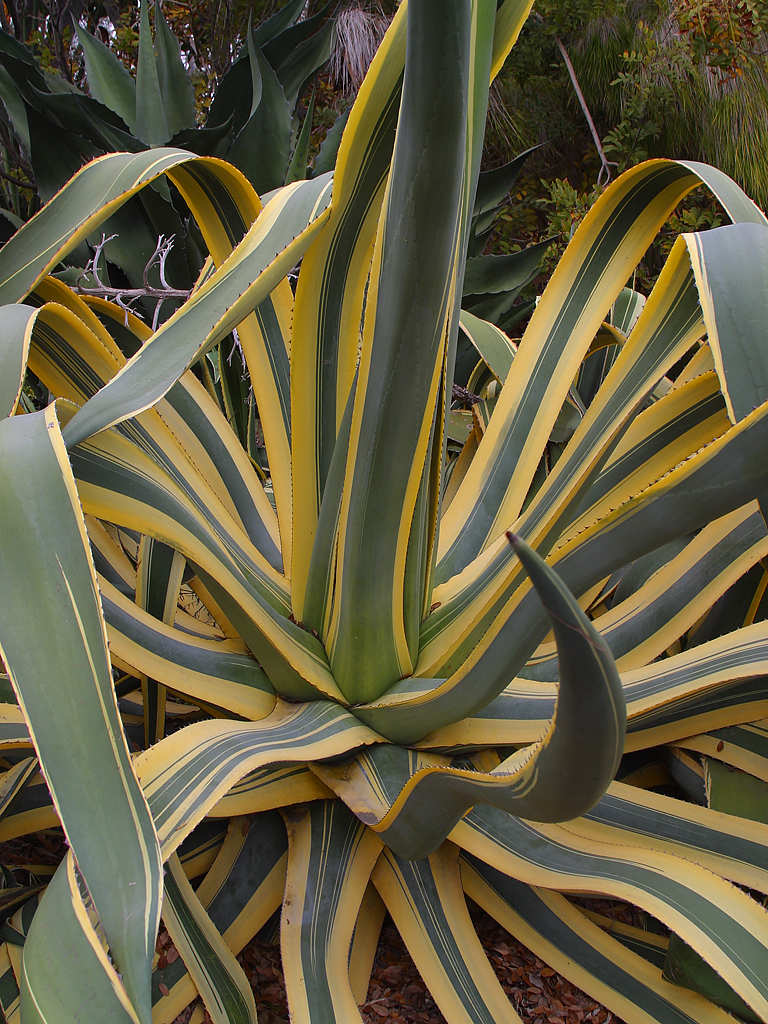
(216, 973)
(120, 861)
(731, 268)
(417, 706)
(151, 118)
(109, 81)
(15, 324)
(723, 924)
(426, 901)
(565, 938)
(261, 148)
(63, 943)
(239, 893)
(234, 290)
(331, 289)
(331, 856)
(576, 301)
(185, 774)
(173, 79)
(217, 672)
(412, 293)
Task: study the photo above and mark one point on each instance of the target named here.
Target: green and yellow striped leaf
(565, 938)
(426, 902)
(187, 773)
(218, 977)
(724, 925)
(121, 861)
(64, 942)
(330, 859)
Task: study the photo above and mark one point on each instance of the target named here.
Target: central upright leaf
(383, 528)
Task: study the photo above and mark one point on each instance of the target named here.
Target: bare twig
(127, 297)
(460, 394)
(16, 182)
(605, 169)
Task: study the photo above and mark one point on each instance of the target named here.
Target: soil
(397, 994)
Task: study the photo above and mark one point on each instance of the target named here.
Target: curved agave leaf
(723, 924)
(16, 322)
(581, 291)
(239, 893)
(121, 862)
(426, 902)
(414, 706)
(564, 936)
(733, 847)
(331, 856)
(63, 924)
(186, 774)
(231, 292)
(216, 973)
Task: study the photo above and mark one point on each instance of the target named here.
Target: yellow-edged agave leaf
(117, 482)
(719, 683)
(743, 746)
(64, 926)
(202, 847)
(426, 902)
(330, 859)
(31, 811)
(330, 291)
(510, 18)
(159, 573)
(414, 801)
(731, 846)
(214, 671)
(398, 386)
(216, 973)
(244, 279)
(408, 711)
(724, 925)
(120, 861)
(185, 774)
(16, 322)
(728, 299)
(641, 627)
(562, 935)
(72, 357)
(613, 236)
(14, 780)
(689, 416)
(207, 439)
(240, 892)
(670, 323)
(9, 988)
(267, 788)
(365, 942)
(84, 203)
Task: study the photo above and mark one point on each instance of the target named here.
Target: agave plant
(339, 684)
(251, 122)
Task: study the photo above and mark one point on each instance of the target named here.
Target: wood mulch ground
(396, 992)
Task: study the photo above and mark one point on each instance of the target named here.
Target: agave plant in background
(338, 681)
(252, 122)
